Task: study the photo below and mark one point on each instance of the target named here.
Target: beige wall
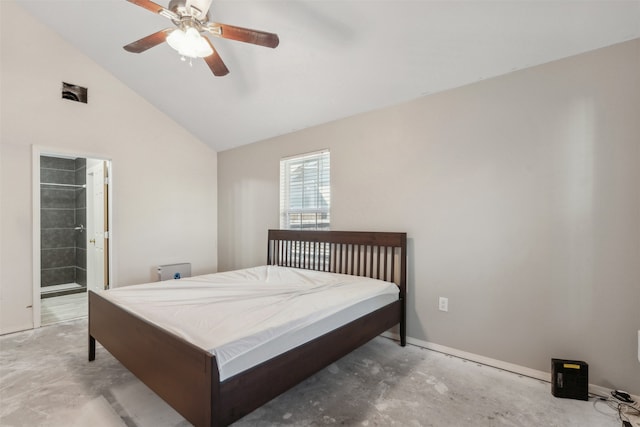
(520, 195)
(164, 179)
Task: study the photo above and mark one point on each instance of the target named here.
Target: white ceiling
(336, 58)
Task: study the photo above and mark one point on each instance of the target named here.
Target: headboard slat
(379, 255)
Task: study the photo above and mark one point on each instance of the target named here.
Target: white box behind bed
(174, 271)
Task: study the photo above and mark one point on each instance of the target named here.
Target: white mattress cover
(248, 316)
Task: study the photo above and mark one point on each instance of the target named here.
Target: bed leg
(403, 323)
(92, 348)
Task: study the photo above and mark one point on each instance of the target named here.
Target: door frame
(38, 151)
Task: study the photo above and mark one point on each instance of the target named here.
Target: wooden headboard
(379, 255)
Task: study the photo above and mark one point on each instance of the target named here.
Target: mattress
(248, 316)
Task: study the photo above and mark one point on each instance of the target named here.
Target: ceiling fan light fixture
(191, 17)
(189, 43)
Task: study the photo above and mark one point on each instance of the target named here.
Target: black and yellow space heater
(570, 379)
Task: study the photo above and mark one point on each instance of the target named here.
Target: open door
(97, 226)
(81, 220)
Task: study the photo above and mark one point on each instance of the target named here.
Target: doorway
(71, 234)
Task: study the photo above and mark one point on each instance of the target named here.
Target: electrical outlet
(443, 304)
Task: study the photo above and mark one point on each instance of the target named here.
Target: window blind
(305, 191)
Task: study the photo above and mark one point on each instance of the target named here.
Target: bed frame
(187, 377)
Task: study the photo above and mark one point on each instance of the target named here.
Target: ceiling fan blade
(260, 38)
(148, 42)
(155, 8)
(215, 63)
(148, 4)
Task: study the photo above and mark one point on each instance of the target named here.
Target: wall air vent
(74, 92)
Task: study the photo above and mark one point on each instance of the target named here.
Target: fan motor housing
(174, 5)
(180, 7)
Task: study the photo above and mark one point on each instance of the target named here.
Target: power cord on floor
(627, 409)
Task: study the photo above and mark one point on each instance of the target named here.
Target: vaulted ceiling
(336, 58)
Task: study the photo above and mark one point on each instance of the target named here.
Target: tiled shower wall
(63, 207)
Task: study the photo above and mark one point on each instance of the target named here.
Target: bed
(190, 378)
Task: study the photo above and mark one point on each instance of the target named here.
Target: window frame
(315, 217)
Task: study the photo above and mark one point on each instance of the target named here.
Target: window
(305, 192)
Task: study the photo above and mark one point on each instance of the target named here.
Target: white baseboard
(16, 328)
(505, 366)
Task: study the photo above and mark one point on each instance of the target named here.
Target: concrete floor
(45, 380)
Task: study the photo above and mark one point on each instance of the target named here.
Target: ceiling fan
(191, 19)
